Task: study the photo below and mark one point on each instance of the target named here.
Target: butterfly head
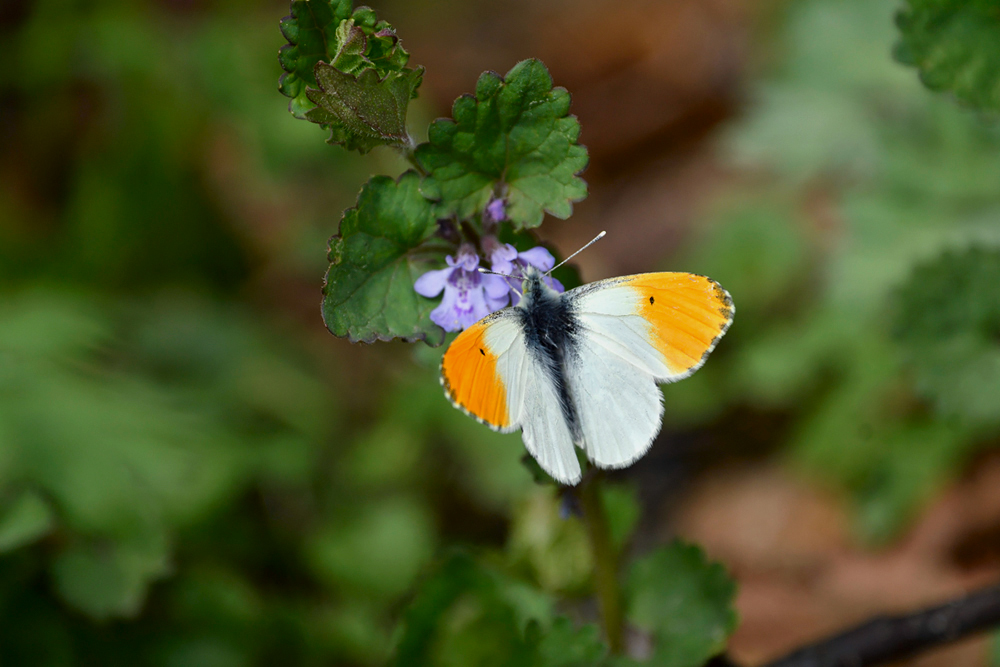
(534, 288)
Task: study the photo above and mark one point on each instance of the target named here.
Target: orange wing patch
(689, 314)
(469, 376)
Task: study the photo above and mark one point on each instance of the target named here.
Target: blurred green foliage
(948, 319)
(467, 611)
(956, 46)
(683, 601)
(863, 261)
(178, 482)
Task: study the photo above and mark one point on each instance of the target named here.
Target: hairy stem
(605, 561)
(408, 152)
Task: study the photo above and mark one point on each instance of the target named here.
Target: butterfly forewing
(668, 322)
(480, 367)
(489, 373)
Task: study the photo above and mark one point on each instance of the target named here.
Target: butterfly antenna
(495, 273)
(592, 242)
(505, 275)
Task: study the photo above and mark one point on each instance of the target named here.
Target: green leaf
(369, 293)
(465, 613)
(684, 601)
(566, 646)
(468, 613)
(364, 42)
(347, 72)
(377, 551)
(956, 46)
(363, 111)
(513, 139)
(311, 31)
(621, 503)
(538, 475)
(550, 545)
(106, 580)
(25, 520)
(948, 320)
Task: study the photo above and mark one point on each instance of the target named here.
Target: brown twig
(891, 638)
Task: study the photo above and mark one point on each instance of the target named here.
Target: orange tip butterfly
(581, 369)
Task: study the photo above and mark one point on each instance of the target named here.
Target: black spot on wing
(449, 392)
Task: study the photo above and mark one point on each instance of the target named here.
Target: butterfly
(580, 369)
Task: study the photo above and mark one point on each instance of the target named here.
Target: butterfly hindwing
(545, 431)
(619, 405)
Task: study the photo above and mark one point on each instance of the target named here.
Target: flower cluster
(470, 295)
(507, 260)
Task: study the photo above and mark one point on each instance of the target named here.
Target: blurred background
(194, 472)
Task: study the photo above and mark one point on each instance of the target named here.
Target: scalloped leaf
(368, 294)
(311, 31)
(565, 645)
(361, 111)
(956, 46)
(513, 139)
(684, 601)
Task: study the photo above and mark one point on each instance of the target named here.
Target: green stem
(409, 153)
(605, 562)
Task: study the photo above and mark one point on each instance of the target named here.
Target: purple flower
(507, 260)
(468, 294)
(496, 211)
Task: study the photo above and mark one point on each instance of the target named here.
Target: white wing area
(532, 402)
(618, 401)
(614, 381)
(610, 308)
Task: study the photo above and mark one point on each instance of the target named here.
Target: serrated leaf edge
(419, 337)
(574, 141)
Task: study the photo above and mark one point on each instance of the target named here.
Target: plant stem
(409, 154)
(605, 562)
